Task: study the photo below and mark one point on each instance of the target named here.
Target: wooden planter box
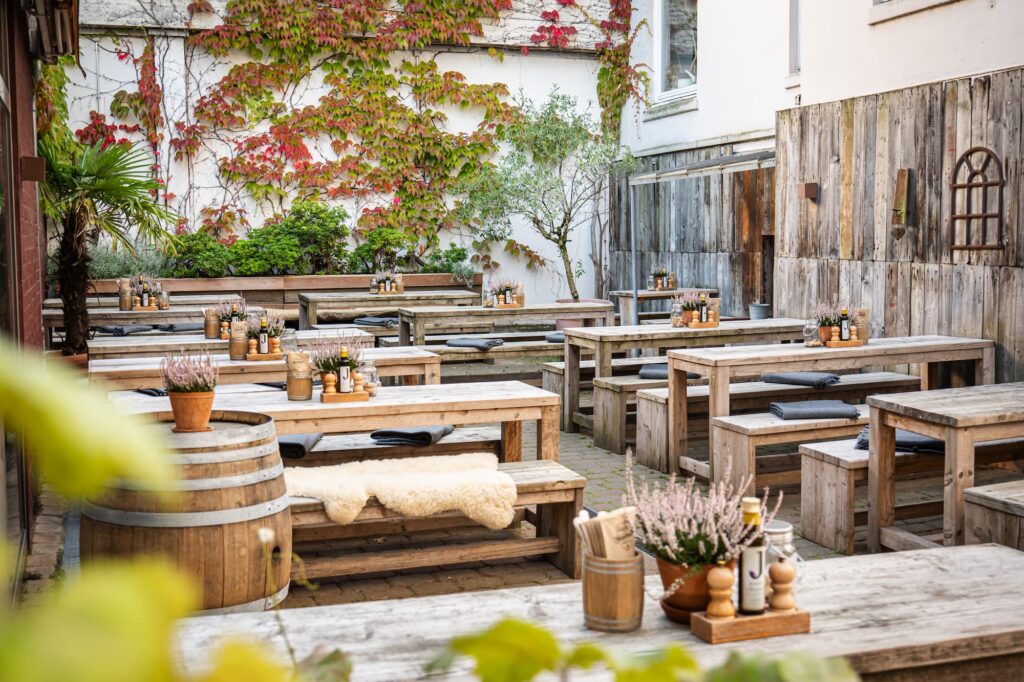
(283, 291)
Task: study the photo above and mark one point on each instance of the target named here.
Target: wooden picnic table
(158, 345)
(961, 417)
(176, 299)
(413, 322)
(132, 373)
(627, 311)
(719, 364)
(942, 614)
(604, 341)
(53, 318)
(509, 402)
(360, 302)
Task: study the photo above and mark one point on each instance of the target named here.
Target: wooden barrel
(231, 486)
(613, 593)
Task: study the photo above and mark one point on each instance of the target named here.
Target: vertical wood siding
(842, 247)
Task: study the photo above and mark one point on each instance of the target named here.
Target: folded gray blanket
(298, 445)
(479, 344)
(555, 337)
(421, 435)
(814, 409)
(279, 385)
(179, 327)
(906, 441)
(387, 322)
(152, 392)
(660, 371)
(124, 329)
(815, 379)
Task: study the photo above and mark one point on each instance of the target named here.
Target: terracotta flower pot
(690, 597)
(825, 334)
(191, 411)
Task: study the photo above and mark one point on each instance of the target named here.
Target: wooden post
(304, 313)
(512, 441)
(881, 478)
(718, 400)
(571, 385)
(548, 435)
(985, 367)
(404, 332)
(626, 316)
(432, 373)
(957, 476)
(677, 417)
(734, 452)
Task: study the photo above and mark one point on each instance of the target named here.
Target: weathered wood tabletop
(134, 346)
(942, 614)
(961, 417)
(605, 341)
(176, 299)
(719, 364)
(413, 322)
(135, 373)
(509, 402)
(359, 301)
(627, 310)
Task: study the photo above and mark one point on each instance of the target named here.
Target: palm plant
(109, 189)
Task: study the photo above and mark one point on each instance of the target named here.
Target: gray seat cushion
(814, 409)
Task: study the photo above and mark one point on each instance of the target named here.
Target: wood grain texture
(956, 607)
(159, 345)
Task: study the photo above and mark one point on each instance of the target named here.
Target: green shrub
(266, 251)
(453, 260)
(321, 233)
(382, 249)
(199, 254)
(106, 263)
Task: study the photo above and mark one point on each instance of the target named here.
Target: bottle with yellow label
(753, 562)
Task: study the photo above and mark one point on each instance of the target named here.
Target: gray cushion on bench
(388, 322)
(124, 329)
(298, 445)
(906, 441)
(420, 435)
(814, 409)
(555, 337)
(660, 371)
(180, 327)
(479, 344)
(815, 379)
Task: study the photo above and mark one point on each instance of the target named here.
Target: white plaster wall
(845, 56)
(196, 184)
(743, 64)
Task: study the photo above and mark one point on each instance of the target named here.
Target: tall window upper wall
(675, 23)
(794, 37)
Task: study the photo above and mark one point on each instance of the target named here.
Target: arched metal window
(976, 196)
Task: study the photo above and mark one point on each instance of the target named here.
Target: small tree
(555, 176)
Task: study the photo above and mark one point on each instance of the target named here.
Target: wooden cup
(613, 593)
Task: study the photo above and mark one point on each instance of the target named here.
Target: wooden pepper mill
(330, 381)
(835, 333)
(225, 331)
(275, 344)
(781, 574)
(720, 580)
(253, 346)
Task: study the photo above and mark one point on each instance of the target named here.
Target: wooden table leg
(419, 332)
(677, 417)
(957, 476)
(303, 315)
(432, 373)
(511, 441)
(626, 315)
(985, 367)
(718, 401)
(556, 520)
(602, 360)
(404, 335)
(570, 385)
(548, 436)
(881, 478)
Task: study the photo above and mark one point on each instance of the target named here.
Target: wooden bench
(553, 373)
(994, 513)
(338, 449)
(507, 351)
(441, 339)
(830, 471)
(652, 406)
(612, 398)
(554, 491)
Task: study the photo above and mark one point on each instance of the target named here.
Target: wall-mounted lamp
(902, 203)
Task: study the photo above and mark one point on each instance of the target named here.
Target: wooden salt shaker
(781, 574)
(253, 346)
(225, 331)
(275, 344)
(835, 333)
(330, 381)
(720, 580)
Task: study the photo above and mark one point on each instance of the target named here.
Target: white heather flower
(265, 535)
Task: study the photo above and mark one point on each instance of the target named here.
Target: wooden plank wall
(707, 229)
(842, 247)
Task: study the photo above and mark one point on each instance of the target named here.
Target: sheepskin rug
(415, 487)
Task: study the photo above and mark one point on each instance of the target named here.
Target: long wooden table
(413, 322)
(625, 299)
(605, 341)
(414, 364)
(357, 303)
(719, 364)
(961, 417)
(158, 345)
(176, 299)
(509, 402)
(53, 318)
(942, 615)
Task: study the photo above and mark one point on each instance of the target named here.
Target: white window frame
(661, 95)
(887, 10)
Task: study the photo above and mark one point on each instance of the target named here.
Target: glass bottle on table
(344, 372)
(753, 565)
(844, 325)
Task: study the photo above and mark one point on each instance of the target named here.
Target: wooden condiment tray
(509, 305)
(740, 628)
(703, 325)
(148, 308)
(352, 397)
(845, 344)
(264, 356)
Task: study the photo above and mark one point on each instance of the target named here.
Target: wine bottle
(844, 325)
(344, 373)
(752, 562)
(703, 308)
(145, 295)
(234, 312)
(264, 336)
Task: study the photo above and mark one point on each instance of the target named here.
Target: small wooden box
(353, 397)
(740, 628)
(253, 357)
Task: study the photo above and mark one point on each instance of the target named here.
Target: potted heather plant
(827, 316)
(189, 381)
(690, 532)
(326, 355)
(687, 304)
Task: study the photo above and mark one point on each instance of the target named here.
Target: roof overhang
(731, 163)
(55, 25)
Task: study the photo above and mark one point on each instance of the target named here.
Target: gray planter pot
(759, 311)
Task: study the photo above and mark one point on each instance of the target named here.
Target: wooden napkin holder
(740, 628)
(852, 343)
